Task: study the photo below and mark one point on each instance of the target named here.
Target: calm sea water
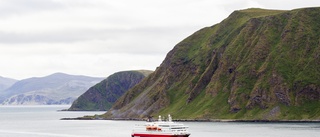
(43, 121)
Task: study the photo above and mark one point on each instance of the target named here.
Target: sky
(101, 37)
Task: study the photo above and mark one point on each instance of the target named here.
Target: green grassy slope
(104, 94)
(255, 64)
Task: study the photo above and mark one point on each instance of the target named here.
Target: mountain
(57, 88)
(255, 64)
(102, 95)
(6, 83)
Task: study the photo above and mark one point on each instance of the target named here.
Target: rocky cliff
(103, 95)
(255, 64)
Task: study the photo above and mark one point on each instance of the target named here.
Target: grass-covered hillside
(102, 95)
(255, 64)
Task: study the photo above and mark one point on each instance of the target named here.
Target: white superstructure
(161, 127)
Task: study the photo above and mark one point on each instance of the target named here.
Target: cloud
(134, 41)
(101, 65)
(20, 7)
(100, 37)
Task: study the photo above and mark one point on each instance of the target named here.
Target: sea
(44, 121)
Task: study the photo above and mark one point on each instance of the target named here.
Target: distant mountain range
(102, 95)
(58, 88)
(255, 65)
(6, 83)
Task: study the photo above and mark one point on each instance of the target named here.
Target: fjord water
(43, 121)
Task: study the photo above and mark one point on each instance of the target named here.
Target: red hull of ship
(155, 135)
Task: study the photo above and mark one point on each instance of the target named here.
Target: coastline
(199, 120)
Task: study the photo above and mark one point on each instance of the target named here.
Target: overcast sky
(101, 37)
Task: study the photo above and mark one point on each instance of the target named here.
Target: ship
(160, 128)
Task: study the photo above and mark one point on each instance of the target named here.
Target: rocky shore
(197, 120)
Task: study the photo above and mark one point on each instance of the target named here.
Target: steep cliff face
(256, 64)
(104, 94)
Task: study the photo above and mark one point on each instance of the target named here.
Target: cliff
(255, 64)
(102, 95)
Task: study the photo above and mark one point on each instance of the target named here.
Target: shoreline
(199, 120)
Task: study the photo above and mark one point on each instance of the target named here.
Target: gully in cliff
(160, 129)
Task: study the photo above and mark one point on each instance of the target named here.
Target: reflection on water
(43, 121)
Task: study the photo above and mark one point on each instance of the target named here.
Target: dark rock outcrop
(102, 96)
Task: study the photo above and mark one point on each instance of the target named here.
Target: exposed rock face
(102, 96)
(256, 64)
(57, 88)
(35, 99)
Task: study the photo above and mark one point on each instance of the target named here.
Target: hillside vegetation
(255, 64)
(102, 95)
